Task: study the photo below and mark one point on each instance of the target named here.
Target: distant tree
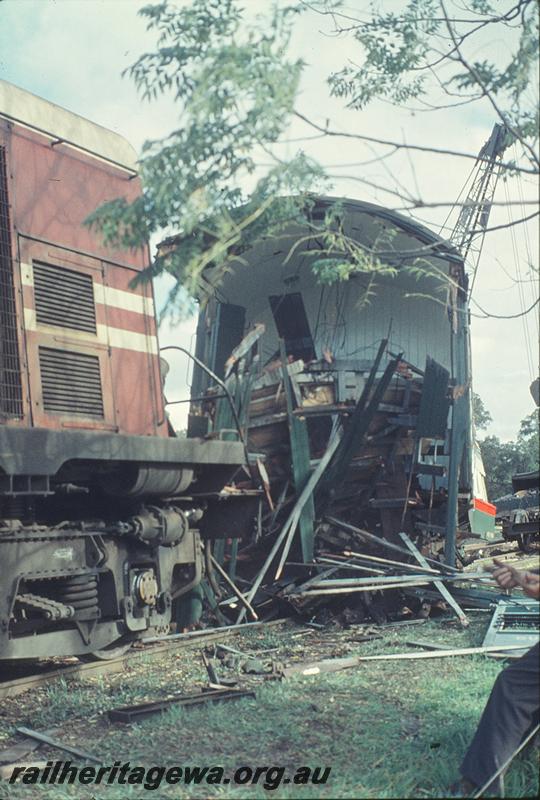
(501, 461)
(481, 416)
(529, 441)
(504, 459)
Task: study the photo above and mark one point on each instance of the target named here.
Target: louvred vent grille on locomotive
(10, 369)
(71, 383)
(64, 298)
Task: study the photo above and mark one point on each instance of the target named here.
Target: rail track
(15, 680)
(149, 649)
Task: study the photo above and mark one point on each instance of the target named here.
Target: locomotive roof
(23, 107)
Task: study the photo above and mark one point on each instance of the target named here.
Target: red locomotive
(98, 501)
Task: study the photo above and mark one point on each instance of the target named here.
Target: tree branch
(403, 146)
(474, 74)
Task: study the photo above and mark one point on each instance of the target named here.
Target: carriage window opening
(292, 325)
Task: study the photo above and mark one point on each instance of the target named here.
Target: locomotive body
(99, 501)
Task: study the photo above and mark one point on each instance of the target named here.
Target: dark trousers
(510, 714)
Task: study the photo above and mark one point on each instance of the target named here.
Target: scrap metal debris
(21, 750)
(52, 741)
(514, 621)
(135, 713)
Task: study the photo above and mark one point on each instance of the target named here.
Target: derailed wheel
(115, 650)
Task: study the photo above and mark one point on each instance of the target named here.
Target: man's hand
(506, 576)
(531, 586)
(509, 577)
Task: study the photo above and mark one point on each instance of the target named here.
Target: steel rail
(154, 649)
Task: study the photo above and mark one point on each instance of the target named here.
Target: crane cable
(522, 302)
(528, 250)
(456, 204)
(522, 281)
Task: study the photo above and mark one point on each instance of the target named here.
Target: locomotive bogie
(96, 550)
(72, 592)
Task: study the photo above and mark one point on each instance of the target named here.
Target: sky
(72, 52)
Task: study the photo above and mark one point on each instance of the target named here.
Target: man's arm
(509, 577)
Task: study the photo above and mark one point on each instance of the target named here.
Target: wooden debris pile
(345, 455)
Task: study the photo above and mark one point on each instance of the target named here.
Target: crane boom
(474, 215)
(472, 221)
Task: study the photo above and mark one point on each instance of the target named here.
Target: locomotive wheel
(115, 650)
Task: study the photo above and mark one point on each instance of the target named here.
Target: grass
(386, 729)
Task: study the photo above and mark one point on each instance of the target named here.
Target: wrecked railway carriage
(363, 405)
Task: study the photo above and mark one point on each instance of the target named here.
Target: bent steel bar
(221, 385)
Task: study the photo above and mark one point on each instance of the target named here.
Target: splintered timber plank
(425, 645)
(301, 462)
(440, 586)
(373, 583)
(380, 542)
(127, 714)
(265, 405)
(315, 592)
(307, 493)
(290, 524)
(359, 423)
(212, 633)
(336, 664)
(320, 667)
(388, 562)
(234, 588)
